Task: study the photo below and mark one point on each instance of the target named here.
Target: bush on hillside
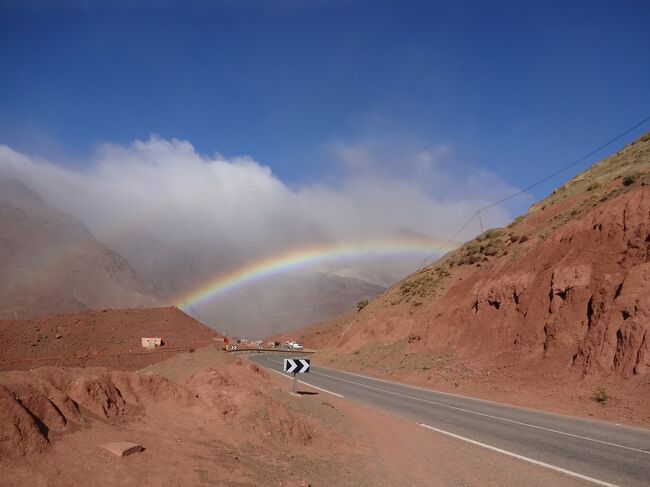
(594, 185)
(629, 179)
(601, 396)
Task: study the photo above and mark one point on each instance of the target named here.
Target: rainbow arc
(304, 257)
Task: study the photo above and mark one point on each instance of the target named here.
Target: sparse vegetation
(517, 220)
(490, 234)
(362, 304)
(629, 180)
(424, 283)
(593, 186)
(491, 243)
(601, 396)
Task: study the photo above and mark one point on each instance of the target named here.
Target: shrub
(362, 304)
(600, 395)
(490, 234)
(491, 250)
(523, 238)
(629, 179)
(594, 185)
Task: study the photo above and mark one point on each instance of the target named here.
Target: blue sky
(516, 88)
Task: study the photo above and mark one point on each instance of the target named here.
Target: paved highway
(597, 452)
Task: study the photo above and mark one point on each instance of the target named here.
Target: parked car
(297, 346)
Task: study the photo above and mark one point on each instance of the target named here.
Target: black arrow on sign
(290, 365)
(305, 365)
(296, 365)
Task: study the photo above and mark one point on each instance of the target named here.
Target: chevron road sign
(296, 365)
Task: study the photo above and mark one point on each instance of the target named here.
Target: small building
(151, 343)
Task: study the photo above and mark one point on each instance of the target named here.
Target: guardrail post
(295, 383)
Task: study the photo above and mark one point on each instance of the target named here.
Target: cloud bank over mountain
(164, 191)
(182, 218)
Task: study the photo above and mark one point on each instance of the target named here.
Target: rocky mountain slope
(49, 262)
(563, 291)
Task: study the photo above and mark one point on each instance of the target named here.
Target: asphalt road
(597, 452)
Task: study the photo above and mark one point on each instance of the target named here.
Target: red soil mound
(250, 406)
(40, 404)
(50, 400)
(108, 338)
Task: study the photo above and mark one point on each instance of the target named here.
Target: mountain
(285, 302)
(560, 294)
(50, 262)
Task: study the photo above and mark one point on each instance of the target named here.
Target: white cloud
(164, 191)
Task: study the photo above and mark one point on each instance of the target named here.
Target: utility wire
(435, 252)
(568, 166)
(537, 183)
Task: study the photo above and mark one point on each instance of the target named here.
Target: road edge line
(493, 402)
(307, 384)
(521, 457)
(491, 416)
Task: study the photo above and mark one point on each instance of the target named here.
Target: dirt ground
(240, 426)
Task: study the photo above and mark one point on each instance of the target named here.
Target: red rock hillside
(108, 338)
(563, 291)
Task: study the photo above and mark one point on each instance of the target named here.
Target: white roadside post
(296, 366)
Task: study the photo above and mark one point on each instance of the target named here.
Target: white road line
(321, 389)
(475, 399)
(521, 457)
(309, 385)
(469, 411)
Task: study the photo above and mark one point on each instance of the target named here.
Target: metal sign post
(296, 366)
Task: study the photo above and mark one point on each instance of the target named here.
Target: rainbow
(302, 257)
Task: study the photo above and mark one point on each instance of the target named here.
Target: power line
(435, 252)
(568, 166)
(537, 183)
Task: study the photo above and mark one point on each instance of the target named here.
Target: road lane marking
(521, 457)
(469, 411)
(476, 399)
(308, 385)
